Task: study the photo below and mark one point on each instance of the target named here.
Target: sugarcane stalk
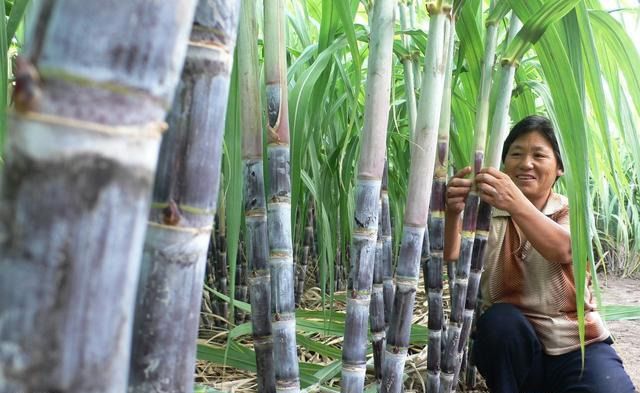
(388, 287)
(434, 238)
(279, 201)
(367, 195)
(459, 290)
(417, 75)
(184, 202)
(407, 64)
(499, 130)
(418, 199)
(376, 314)
(255, 204)
(77, 175)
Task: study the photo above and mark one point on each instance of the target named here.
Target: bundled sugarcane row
(433, 247)
(499, 131)
(367, 196)
(451, 357)
(418, 198)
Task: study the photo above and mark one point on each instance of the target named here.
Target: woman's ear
(559, 172)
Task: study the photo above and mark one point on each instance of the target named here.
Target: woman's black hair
(530, 124)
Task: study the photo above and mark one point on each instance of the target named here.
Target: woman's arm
(550, 239)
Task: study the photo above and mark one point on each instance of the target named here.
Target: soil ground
(615, 291)
(625, 291)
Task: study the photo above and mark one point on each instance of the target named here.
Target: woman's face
(532, 166)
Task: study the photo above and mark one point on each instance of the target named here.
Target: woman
(527, 339)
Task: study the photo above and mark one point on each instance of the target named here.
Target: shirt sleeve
(562, 217)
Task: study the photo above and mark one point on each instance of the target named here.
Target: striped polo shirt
(515, 273)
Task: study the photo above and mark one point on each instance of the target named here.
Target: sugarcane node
(170, 214)
(26, 92)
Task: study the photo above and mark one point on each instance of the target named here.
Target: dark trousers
(509, 356)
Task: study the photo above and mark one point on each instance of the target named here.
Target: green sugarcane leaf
(620, 312)
(500, 10)
(346, 17)
(549, 13)
(314, 346)
(15, 17)
(566, 112)
(243, 358)
(246, 307)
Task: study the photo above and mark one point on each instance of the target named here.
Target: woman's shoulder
(555, 204)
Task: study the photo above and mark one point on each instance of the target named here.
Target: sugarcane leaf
(346, 17)
(15, 17)
(243, 358)
(246, 307)
(314, 346)
(549, 13)
(566, 112)
(620, 312)
(498, 12)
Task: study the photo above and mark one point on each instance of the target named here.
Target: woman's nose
(527, 161)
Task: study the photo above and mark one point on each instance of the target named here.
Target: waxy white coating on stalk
(256, 238)
(424, 147)
(459, 289)
(281, 257)
(407, 63)
(500, 125)
(482, 113)
(376, 115)
(363, 247)
(50, 141)
(499, 130)
(436, 223)
(173, 266)
(182, 257)
(73, 220)
(418, 198)
(368, 184)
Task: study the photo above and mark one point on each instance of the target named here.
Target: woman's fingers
(463, 172)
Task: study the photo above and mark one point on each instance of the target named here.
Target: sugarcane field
(349, 196)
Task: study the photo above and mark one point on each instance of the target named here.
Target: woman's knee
(603, 372)
(503, 322)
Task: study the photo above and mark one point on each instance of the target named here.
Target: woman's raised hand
(497, 189)
(457, 190)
